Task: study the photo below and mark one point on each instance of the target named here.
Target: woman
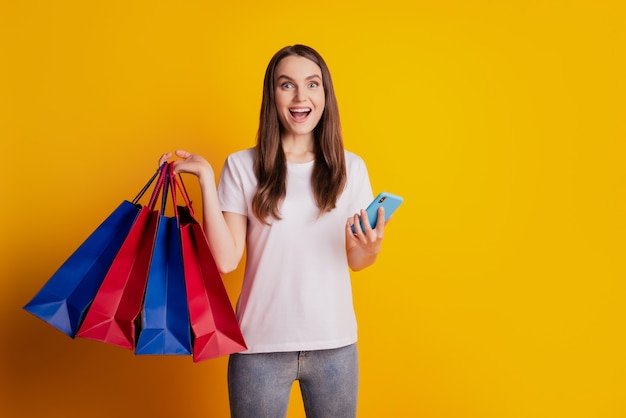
(287, 201)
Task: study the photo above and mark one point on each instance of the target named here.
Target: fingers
(164, 158)
(357, 225)
(179, 153)
(183, 154)
(350, 232)
(360, 225)
(380, 220)
(360, 228)
(365, 221)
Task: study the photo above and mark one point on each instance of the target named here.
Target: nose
(299, 95)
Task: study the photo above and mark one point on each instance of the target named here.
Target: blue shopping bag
(66, 296)
(165, 326)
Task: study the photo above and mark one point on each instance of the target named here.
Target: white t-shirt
(296, 292)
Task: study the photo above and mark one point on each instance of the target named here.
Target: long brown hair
(270, 166)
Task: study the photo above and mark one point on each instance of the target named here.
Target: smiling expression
(299, 94)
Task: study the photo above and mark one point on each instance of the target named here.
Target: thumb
(183, 154)
(164, 158)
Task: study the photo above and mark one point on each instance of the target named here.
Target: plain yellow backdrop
(500, 290)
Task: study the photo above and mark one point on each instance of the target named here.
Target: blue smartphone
(387, 200)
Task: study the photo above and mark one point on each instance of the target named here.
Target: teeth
(300, 110)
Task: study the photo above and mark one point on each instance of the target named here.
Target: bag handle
(184, 191)
(147, 186)
(157, 189)
(176, 185)
(166, 186)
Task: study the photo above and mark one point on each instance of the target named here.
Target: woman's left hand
(364, 244)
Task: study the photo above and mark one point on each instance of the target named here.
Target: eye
(313, 84)
(286, 85)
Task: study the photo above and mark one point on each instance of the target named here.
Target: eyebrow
(291, 79)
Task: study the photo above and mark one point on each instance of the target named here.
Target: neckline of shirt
(304, 164)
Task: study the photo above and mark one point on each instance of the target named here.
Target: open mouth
(300, 114)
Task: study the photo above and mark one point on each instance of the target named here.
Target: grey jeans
(259, 385)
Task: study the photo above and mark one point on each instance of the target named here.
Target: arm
(225, 232)
(364, 245)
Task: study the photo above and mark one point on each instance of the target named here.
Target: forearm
(226, 249)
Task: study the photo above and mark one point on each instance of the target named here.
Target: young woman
(291, 202)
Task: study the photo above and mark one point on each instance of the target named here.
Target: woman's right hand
(189, 163)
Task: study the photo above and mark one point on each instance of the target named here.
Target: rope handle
(159, 186)
(166, 181)
(175, 185)
(147, 186)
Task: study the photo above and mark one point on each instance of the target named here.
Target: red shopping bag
(213, 322)
(112, 315)
(64, 299)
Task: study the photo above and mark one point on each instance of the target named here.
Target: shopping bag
(114, 310)
(65, 297)
(214, 325)
(165, 327)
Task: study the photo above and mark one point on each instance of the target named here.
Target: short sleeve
(359, 182)
(230, 189)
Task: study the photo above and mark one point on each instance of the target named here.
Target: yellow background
(500, 290)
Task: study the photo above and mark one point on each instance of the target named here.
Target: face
(299, 94)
